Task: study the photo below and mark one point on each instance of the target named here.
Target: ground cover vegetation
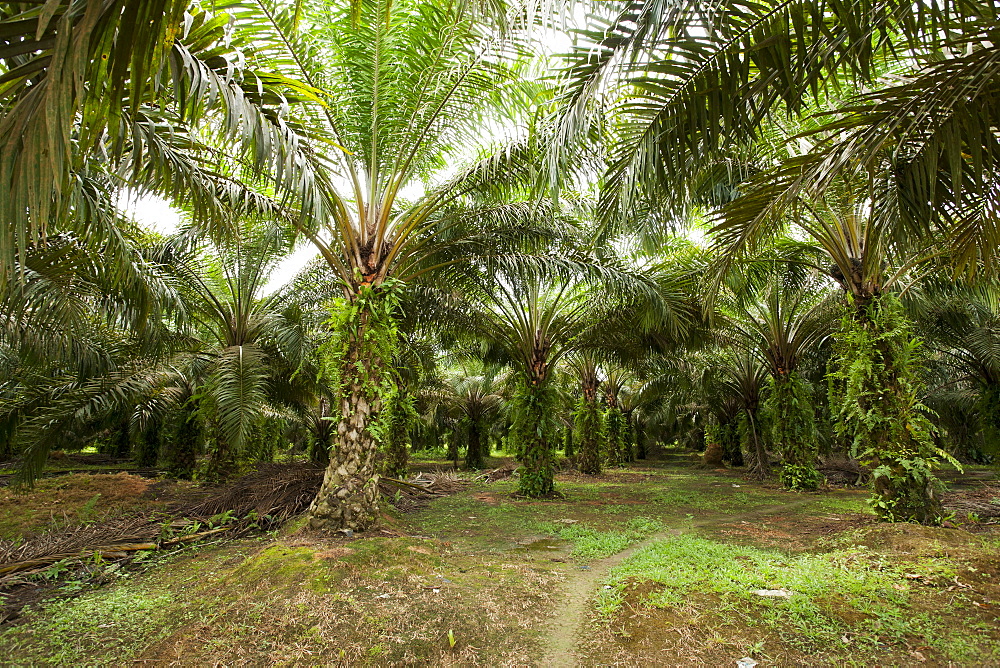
(665, 301)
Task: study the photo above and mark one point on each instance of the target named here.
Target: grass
(129, 617)
(845, 605)
(453, 584)
(590, 543)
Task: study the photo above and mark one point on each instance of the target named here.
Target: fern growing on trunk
(875, 391)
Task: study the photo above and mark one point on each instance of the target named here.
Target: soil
(482, 577)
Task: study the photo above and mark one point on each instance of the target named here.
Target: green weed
(592, 543)
(827, 591)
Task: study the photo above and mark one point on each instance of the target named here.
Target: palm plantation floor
(651, 565)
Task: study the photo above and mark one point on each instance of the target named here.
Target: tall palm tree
(407, 90)
(587, 422)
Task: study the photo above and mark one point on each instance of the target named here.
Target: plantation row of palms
(503, 236)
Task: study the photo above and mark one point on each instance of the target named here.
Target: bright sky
(156, 214)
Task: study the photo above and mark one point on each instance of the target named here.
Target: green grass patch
(67, 633)
(843, 602)
(722, 499)
(592, 543)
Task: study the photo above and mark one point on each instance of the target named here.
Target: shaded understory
(655, 564)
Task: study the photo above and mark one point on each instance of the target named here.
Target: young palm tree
(476, 399)
(249, 341)
(738, 378)
(535, 322)
(781, 327)
(230, 354)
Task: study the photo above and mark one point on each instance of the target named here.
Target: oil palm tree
(587, 422)
(781, 326)
(615, 382)
(251, 343)
(476, 398)
(407, 90)
(536, 312)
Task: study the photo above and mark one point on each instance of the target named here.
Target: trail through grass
(654, 565)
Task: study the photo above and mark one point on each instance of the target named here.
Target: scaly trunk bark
(348, 498)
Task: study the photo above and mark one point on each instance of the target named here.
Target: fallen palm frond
(410, 495)
(268, 497)
(843, 471)
(262, 500)
(138, 529)
(983, 502)
(502, 473)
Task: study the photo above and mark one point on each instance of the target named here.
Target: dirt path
(560, 639)
(562, 631)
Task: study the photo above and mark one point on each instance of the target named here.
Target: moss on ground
(458, 583)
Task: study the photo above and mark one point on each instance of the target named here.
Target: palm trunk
(628, 437)
(397, 451)
(474, 458)
(359, 354)
(452, 452)
(793, 430)
(614, 425)
(640, 439)
(590, 431)
(874, 393)
(181, 451)
(222, 459)
(754, 454)
(534, 430)
(348, 498)
(148, 451)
